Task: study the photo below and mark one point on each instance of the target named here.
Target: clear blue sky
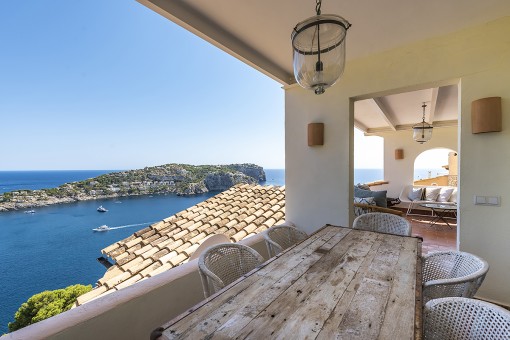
(109, 84)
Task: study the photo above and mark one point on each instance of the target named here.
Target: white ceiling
(258, 33)
(401, 111)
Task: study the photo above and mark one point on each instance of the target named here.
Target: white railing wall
(133, 312)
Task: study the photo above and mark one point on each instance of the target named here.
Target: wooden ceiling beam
(433, 105)
(360, 126)
(383, 110)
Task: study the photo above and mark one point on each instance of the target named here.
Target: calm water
(31, 180)
(56, 247)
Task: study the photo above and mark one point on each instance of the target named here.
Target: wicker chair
(452, 273)
(282, 237)
(461, 318)
(222, 264)
(383, 222)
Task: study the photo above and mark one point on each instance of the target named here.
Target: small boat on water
(104, 227)
(30, 212)
(102, 209)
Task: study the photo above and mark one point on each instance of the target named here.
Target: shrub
(46, 304)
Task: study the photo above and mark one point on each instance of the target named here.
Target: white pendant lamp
(422, 132)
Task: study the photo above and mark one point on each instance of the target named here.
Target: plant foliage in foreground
(46, 304)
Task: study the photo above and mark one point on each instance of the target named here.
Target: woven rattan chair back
(452, 273)
(383, 222)
(465, 319)
(222, 264)
(281, 237)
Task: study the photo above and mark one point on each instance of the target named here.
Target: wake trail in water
(131, 225)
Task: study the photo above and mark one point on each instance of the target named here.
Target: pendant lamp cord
(318, 66)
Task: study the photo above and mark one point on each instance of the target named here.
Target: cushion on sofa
(453, 197)
(444, 194)
(431, 193)
(415, 194)
(363, 200)
(363, 186)
(379, 196)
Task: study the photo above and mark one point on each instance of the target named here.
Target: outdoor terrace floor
(438, 237)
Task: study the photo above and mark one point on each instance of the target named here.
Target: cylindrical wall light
(315, 134)
(399, 153)
(486, 115)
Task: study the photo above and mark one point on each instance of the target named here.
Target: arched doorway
(436, 169)
(438, 166)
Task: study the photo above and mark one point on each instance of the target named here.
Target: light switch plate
(480, 200)
(487, 200)
(492, 200)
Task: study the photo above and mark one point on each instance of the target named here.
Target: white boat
(30, 212)
(104, 227)
(102, 209)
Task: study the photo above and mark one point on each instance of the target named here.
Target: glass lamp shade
(422, 132)
(319, 51)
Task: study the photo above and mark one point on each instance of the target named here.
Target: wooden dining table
(340, 283)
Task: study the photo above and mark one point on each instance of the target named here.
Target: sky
(112, 85)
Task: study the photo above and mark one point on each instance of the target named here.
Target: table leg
(439, 215)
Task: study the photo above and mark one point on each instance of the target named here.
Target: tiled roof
(240, 212)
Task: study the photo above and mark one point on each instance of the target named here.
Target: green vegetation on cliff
(181, 179)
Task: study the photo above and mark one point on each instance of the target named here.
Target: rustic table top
(339, 283)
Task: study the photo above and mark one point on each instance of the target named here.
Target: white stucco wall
(401, 172)
(319, 179)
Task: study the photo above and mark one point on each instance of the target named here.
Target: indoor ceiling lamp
(319, 50)
(422, 132)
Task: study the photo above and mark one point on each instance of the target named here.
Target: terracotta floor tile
(438, 237)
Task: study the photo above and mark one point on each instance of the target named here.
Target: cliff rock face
(180, 179)
(219, 181)
(251, 170)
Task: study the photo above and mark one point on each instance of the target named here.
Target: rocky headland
(180, 179)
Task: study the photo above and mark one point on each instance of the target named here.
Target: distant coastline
(179, 179)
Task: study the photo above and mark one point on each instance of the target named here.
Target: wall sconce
(486, 115)
(315, 134)
(399, 153)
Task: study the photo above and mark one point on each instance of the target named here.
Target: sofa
(366, 201)
(414, 195)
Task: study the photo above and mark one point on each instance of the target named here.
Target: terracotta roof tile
(150, 252)
(125, 258)
(239, 235)
(110, 248)
(91, 295)
(159, 269)
(239, 212)
(117, 279)
(159, 254)
(147, 271)
(178, 259)
(167, 257)
(140, 266)
(129, 282)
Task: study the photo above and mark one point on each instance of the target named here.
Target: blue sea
(55, 247)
